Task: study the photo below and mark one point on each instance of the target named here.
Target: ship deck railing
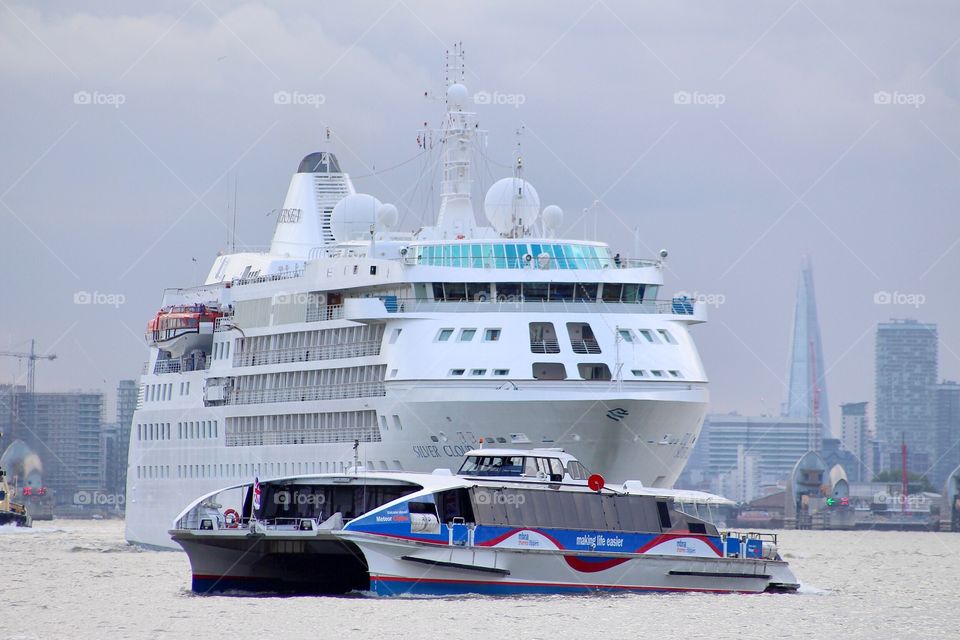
(682, 307)
(303, 394)
(307, 354)
(179, 365)
(538, 263)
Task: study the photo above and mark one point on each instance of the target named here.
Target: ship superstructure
(351, 343)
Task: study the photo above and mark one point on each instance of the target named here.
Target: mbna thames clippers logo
(617, 414)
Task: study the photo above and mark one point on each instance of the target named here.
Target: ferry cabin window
(577, 471)
(491, 335)
(444, 335)
(492, 466)
(546, 508)
(626, 335)
(466, 335)
(455, 503)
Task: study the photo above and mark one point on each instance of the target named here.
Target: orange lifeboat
(183, 328)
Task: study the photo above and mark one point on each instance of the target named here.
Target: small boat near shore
(508, 522)
(10, 511)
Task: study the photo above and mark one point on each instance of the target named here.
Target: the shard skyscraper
(807, 392)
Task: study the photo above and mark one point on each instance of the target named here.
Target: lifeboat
(182, 329)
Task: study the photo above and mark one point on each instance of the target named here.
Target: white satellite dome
(353, 216)
(552, 217)
(457, 96)
(511, 202)
(387, 216)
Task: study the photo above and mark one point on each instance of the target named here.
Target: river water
(79, 579)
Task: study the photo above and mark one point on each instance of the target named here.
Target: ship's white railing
(544, 346)
(307, 354)
(325, 312)
(181, 364)
(303, 394)
(541, 263)
(223, 323)
(670, 307)
(272, 277)
(585, 346)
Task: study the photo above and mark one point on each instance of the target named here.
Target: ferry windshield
(492, 466)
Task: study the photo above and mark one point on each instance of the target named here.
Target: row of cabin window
(221, 350)
(185, 430)
(592, 371)
(544, 508)
(542, 291)
(479, 372)
(158, 392)
(648, 335)
(467, 335)
(250, 470)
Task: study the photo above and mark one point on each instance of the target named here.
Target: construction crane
(31, 357)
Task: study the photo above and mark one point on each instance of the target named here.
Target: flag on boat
(256, 494)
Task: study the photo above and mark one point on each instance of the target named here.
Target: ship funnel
(304, 226)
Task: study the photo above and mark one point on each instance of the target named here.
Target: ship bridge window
(478, 291)
(536, 291)
(625, 334)
(594, 371)
(648, 335)
(466, 335)
(549, 371)
(626, 292)
(444, 335)
(509, 292)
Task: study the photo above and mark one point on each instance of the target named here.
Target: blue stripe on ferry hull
(391, 586)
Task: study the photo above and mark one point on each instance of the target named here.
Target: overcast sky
(738, 135)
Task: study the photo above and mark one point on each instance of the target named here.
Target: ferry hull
(317, 563)
(402, 568)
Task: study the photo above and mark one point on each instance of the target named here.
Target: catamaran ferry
(412, 345)
(509, 522)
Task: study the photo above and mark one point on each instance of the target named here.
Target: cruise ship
(350, 343)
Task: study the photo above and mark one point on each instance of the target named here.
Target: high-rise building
(855, 436)
(807, 387)
(774, 444)
(64, 430)
(906, 373)
(946, 416)
(8, 414)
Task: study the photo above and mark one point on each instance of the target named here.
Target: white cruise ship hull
(647, 437)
